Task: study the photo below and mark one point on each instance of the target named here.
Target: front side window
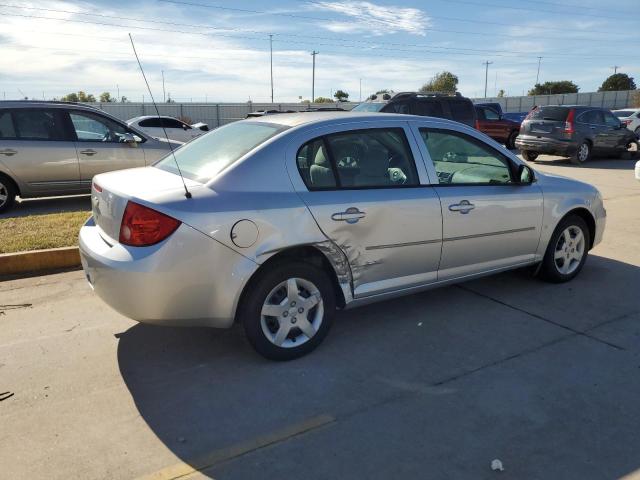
(206, 156)
(7, 130)
(94, 128)
(592, 117)
(460, 159)
(372, 158)
(369, 107)
(462, 111)
(490, 114)
(611, 120)
(35, 124)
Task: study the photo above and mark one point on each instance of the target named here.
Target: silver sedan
(290, 217)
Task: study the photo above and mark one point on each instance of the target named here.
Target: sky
(220, 50)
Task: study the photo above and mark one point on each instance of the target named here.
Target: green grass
(36, 232)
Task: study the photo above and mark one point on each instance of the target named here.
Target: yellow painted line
(184, 469)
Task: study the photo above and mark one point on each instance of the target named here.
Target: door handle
(8, 152)
(465, 206)
(350, 215)
(88, 152)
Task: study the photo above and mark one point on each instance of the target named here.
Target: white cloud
(374, 19)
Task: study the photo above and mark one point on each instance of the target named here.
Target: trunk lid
(545, 121)
(111, 191)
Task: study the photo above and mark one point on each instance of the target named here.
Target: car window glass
(623, 113)
(462, 159)
(150, 123)
(462, 111)
(490, 114)
(373, 158)
(558, 114)
(314, 166)
(6, 125)
(93, 128)
(32, 124)
(396, 107)
(171, 123)
(428, 108)
(611, 120)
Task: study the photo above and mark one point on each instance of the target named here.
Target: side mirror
(128, 138)
(525, 175)
(185, 127)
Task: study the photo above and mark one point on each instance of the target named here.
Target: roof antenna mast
(187, 193)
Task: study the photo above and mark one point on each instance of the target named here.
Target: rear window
(623, 113)
(462, 112)
(558, 114)
(369, 107)
(206, 156)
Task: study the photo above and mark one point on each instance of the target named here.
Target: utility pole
(486, 76)
(538, 74)
(313, 76)
(164, 95)
(118, 95)
(271, 53)
(615, 69)
(360, 90)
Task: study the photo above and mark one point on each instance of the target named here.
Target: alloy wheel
(4, 194)
(292, 313)
(583, 152)
(569, 250)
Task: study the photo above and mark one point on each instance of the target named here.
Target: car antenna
(187, 193)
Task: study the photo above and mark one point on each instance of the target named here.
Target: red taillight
(530, 113)
(142, 226)
(97, 187)
(477, 125)
(568, 124)
(626, 122)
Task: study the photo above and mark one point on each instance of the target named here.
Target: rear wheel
(529, 156)
(288, 310)
(567, 250)
(511, 141)
(583, 153)
(7, 193)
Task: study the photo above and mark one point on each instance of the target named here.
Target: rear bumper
(549, 146)
(187, 280)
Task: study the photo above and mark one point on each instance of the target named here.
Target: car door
(368, 196)
(489, 220)
(491, 124)
(592, 126)
(615, 133)
(100, 142)
(37, 149)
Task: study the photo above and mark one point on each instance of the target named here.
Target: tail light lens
(530, 113)
(626, 122)
(142, 226)
(97, 187)
(568, 124)
(477, 125)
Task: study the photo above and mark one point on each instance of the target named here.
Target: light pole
(271, 56)
(486, 76)
(538, 74)
(164, 95)
(360, 90)
(313, 76)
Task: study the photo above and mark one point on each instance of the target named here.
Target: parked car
(493, 105)
(496, 126)
(630, 117)
(55, 148)
(291, 216)
(175, 129)
(574, 131)
(452, 107)
(638, 171)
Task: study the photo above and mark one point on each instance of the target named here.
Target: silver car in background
(292, 216)
(55, 148)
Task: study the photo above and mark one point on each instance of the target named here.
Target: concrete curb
(39, 260)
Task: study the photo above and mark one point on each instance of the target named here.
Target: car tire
(529, 156)
(582, 155)
(301, 298)
(7, 193)
(567, 250)
(511, 140)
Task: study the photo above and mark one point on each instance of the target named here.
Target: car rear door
(101, 146)
(616, 134)
(37, 149)
(370, 198)
(489, 221)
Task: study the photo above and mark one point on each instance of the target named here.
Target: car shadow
(203, 390)
(601, 163)
(43, 206)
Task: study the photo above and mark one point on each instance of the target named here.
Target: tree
(71, 97)
(384, 90)
(83, 97)
(323, 100)
(501, 93)
(105, 97)
(445, 82)
(550, 88)
(341, 96)
(618, 81)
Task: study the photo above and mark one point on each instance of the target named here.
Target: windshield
(369, 107)
(206, 156)
(623, 113)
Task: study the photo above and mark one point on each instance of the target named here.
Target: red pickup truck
(497, 127)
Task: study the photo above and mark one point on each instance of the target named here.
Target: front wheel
(529, 156)
(567, 250)
(511, 140)
(289, 310)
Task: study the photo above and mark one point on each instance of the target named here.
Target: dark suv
(573, 131)
(452, 107)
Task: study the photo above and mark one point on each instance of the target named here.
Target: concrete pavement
(435, 385)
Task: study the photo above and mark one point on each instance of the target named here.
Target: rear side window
(315, 167)
(558, 114)
(150, 123)
(369, 107)
(428, 108)
(397, 107)
(35, 124)
(7, 129)
(462, 111)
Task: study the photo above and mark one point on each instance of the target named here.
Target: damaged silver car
(283, 219)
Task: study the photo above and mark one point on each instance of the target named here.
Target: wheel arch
(8, 177)
(588, 218)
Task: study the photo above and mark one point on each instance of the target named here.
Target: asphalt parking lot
(544, 377)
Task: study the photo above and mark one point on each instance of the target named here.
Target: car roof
(146, 117)
(307, 118)
(45, 104)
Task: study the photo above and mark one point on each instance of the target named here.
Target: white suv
(630, 117)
